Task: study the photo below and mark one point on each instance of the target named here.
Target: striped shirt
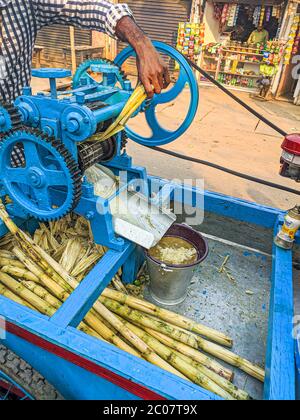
(22, 19)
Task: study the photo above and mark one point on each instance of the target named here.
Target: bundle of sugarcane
(132, 105)
(163, 338)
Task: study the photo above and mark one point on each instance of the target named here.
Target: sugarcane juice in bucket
(172, 263)
(172, 250)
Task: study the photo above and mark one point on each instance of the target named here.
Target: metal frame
(82, 367)
(12, 388)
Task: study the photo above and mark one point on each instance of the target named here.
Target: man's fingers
(160, 78)
(148, 87)
(166, 78)
(157, 84)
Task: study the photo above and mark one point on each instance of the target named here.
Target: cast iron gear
(46, 181)
(10, 118)
(82, 70)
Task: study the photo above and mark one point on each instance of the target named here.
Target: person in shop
(259, 36)
(237, 33)
(242, 30)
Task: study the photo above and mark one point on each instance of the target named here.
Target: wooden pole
(73, 51)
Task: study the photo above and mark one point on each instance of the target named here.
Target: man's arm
(153, 72)
(117, 21)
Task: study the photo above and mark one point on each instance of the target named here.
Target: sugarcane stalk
(235, 392)
(118, 285)
(20, 273)
(180, 364)
(231, 358)
(168, 316)
(193, 354)
(16, 298)
(10, 262)
(95, 327)
(6, 254)
(4, 291)
(43, 259)
(141, 318)
(94, 321)
(90, 318)
(42, 293)
(155, 345)
(45, 280)
(26, 294)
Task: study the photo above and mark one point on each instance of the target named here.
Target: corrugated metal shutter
(159, 19)
(54, 38)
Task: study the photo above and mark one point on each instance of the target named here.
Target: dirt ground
(226, 134)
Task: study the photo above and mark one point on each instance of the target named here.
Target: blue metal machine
(45, 149)
(48, 140)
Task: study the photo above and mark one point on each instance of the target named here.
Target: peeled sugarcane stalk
(231, 358)
(168, 316)
(141, 318)
(134, 102)
(186, 368)
(20, 273)
(235, 392)
(193, 354)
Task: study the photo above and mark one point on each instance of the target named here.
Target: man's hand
(153, 72)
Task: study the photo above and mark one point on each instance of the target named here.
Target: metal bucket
(169, 283)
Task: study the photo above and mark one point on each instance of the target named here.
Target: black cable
(234, 97)
(227, 170)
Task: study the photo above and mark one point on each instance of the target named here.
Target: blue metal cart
(79, 366)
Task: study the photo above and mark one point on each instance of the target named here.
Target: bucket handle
(164, 269)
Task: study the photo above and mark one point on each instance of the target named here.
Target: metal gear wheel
(10, 118)
(82, 72)
(42, 177)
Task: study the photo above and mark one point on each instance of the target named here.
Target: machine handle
(51, 73)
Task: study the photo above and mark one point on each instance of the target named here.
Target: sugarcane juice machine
(49, 142)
